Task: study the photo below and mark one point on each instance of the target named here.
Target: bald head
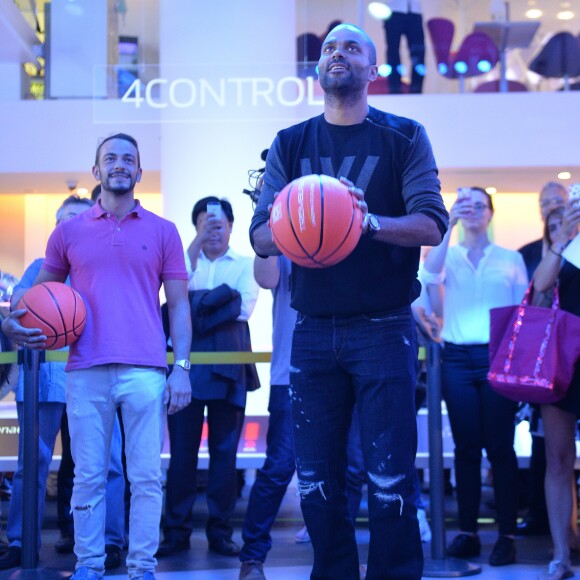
(552, 195)
(362, 37)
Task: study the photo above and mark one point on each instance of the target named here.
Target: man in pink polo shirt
(117, 256)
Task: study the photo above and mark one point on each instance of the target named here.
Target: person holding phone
(559, 419)
(477, 275)
(553, 195)
(222, 296)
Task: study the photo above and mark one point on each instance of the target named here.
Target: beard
(119, 189)
(345, 87)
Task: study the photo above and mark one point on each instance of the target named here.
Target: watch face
(184, 364)
(374, 222)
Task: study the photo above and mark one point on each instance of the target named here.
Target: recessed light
(564, 175)
(565, 15)
(491, 190)
(534, 13)
(380, 10)
(82, 191)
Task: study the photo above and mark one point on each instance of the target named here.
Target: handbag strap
(530, 290)
(518, 323)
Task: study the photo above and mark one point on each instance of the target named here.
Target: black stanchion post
(435, 429)
(30, 460)
(29, 571)
(439, 566)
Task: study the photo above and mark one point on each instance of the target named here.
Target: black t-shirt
(391, 160)
(532, 255)
(569, 288)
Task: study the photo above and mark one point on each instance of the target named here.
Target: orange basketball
(57, 309)
(315, 221)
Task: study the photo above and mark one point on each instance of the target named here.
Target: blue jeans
(49, 423)
(373, 362)
(49, 415)
(355, 472)
(93, 396)
(272, 480)
(114, 493)
(479, 419)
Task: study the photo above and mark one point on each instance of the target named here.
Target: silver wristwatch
(183, 363)
(373, 225)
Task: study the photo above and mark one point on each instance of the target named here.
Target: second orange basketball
(57, 309)
(315, 221)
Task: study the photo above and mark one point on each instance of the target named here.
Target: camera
(253, 179)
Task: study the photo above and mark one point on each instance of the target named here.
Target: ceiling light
(491, 190)
(380, 10)
(82, 191)
(534, 13)
(564, 175)
(565, 15)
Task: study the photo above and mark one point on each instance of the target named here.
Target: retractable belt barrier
(31, 360)
(196, 358)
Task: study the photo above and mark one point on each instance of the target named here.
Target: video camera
(253, 179)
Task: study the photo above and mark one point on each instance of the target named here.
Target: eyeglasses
(552, 201)
(480, 207)
(66, 216)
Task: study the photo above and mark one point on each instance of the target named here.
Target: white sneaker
(302, 536)
(424, 525)
(557, 571)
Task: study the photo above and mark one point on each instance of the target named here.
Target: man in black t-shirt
(354, 340)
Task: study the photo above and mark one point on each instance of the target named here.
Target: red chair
(477, 54)
(381, 87)
(308, 48)
(493, 87)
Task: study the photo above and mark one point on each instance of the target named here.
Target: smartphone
(464, 193)
(214, 208)
(574, 191)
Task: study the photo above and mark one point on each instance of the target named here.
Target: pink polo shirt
(118, 268)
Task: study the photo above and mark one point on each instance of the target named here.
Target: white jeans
(93, 396)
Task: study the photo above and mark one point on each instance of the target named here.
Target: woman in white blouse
(477, 275)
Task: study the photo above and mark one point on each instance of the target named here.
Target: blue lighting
(385, 70)
(484, 66)
(443, 68)
(401, 70)
(420, 69)
(460, 67)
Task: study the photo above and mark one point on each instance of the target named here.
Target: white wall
(78, 48)
(197, 158)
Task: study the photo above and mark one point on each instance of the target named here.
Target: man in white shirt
(222, 293)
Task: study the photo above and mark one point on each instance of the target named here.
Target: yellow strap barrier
(196, 358)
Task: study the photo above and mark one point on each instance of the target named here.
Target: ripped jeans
(373, 362)
(93, 396)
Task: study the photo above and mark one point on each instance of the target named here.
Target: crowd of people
(342, 360)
